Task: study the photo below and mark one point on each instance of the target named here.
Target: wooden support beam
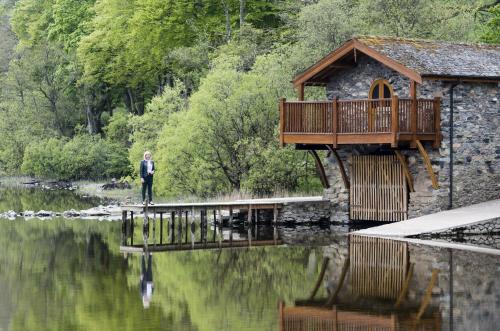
(406, 170)
(321, 169)
(320, 278)
(406, 286)
(345, 179)
(275, 214)
(335, 293)
(427, 295)
(428, 165)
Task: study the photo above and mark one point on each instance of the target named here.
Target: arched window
(381, 89)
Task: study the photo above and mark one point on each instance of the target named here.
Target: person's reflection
(146, 284)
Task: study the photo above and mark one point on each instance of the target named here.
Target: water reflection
(179, 233)
(21, 199)
(382, 284)
(71, 275)
(146, 284)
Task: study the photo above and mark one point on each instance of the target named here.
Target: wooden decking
(368, 121)
(244, 204)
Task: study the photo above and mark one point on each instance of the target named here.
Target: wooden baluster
(394, 120)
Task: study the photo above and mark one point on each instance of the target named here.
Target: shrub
(83, 157)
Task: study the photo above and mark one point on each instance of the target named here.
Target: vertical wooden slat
(378, 188)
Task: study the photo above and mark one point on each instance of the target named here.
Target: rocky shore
(109, 212)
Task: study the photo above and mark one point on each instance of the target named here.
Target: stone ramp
(437, 222)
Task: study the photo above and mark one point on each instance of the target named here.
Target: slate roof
(439, 58)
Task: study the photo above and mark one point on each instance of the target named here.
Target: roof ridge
(360, 37)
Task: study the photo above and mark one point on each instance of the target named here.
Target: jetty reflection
(179, 232)
(375, 281)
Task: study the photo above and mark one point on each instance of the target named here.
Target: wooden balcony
(342, 122)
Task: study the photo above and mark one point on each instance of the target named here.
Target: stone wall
(304, 212)
(476, 145)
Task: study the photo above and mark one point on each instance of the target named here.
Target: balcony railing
(360, 121)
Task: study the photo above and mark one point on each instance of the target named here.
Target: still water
(63, 274)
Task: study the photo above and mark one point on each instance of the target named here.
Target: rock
(44, 213)
(116, 185)
(10, 214)
(28, 213)
(71, 213)
(97, 211)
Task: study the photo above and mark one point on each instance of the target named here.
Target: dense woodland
(86, 86)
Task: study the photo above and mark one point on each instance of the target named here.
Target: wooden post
(192, 228)
(282, 121)
(249, 216)
(301, 92)
(231, 224)
(413, 114)
(131, 228)
(186, 231)
(124, 237)
(172, 227)
(205, 221)
(437, 122)
(221, 235)
(161, 228)
(275, 214)
(335, 105)
(394, 120)
(215, 224)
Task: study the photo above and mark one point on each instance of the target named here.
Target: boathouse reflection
(375, 280)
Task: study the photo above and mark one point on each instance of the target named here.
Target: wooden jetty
(183, 217)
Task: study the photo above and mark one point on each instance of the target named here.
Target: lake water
(69, 274)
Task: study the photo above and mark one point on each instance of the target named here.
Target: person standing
(146, 171)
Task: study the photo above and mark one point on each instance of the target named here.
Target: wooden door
(378, 189)
(379, 105)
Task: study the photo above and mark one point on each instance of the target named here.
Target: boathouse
(410, 127)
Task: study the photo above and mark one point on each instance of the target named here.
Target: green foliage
(199, 81)
(146, 128)
(491, 32)
(83, 157)
(118, 128)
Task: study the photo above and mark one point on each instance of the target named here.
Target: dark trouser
(148, 184)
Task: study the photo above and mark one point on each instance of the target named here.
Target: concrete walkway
(437, 222)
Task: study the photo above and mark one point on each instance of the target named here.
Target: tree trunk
(242, 12)
(93, 120)
(131, 101)
(228, 20)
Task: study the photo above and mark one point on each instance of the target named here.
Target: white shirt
(150, 166)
